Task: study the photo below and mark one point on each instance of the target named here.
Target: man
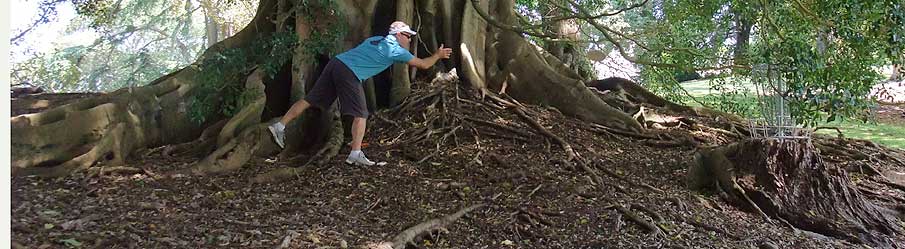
(343, 76)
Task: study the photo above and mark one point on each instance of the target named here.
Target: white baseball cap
(399, 26)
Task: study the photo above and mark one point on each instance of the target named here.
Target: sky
(43, 38)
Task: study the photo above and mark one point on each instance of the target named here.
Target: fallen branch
(838, 131)
(637, 219)
(409, 235)
(442, 140)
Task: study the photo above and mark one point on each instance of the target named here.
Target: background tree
(136, 42)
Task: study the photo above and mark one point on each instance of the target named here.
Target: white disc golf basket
(775, 119)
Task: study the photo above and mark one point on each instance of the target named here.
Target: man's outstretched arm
(442, 53)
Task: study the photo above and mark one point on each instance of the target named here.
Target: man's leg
(277, 129)
(358, 132)
(321, 95)
(297, 109)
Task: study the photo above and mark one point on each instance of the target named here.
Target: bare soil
(535, 200)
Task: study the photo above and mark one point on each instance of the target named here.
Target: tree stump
(787, 180)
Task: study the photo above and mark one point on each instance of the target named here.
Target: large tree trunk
(788, 181)
(742, 39)
(111, 128)
(897, 71)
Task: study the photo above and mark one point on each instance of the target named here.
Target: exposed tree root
(111, 143)
(632, 93)
(537, 82)
(504, 128)
(204, 144)
(233, 155)
(249, 115)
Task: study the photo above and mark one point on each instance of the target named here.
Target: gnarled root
(633, 94)
(232, 155)
(110, 143)
(204, 144)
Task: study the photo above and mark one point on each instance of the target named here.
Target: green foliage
(660, 81)
(54, 71)
(734, 96)
(220, 76)
(826, 53)
(100, 12)
(528, 4)
(829, 61)
(221, 89)
(134, 42)
(327, 41)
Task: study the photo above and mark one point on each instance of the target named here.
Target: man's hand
(443, 53)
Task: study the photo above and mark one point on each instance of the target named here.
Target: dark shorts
(337, 80)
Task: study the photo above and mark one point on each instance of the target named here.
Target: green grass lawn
(888, 134)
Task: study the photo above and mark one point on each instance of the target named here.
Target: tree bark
(742, 38)
(897, 71)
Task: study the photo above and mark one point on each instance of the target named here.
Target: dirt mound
(545, 181)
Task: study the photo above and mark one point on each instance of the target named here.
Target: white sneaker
(278, 134)
(359, 160)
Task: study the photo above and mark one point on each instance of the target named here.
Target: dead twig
(535, 216)
(535, 190)
(372, 206)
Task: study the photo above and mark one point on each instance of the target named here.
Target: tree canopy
(825, 54)
(135, 41)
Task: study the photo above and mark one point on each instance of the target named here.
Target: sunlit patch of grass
(882, 133)
(697, 87)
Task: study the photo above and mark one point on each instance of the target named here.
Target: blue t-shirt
(374, 55)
